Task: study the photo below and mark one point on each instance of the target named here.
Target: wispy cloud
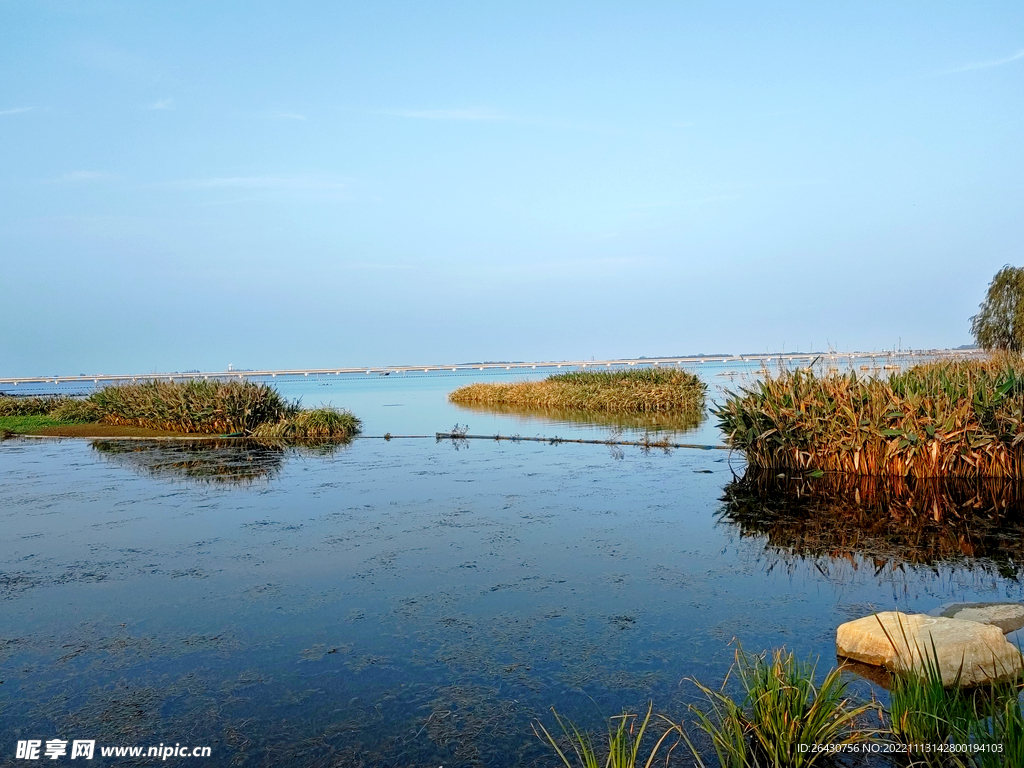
(289, 116)
(162, 104)
(986, 64)
(264, 182)
(471, 113)
(16, 110)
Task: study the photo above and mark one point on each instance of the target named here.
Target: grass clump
(317, 424)
(625, 735)
(782, 714)
(232, 407)
(210, 407)
(998, 727)
(981, 727)
(640, 390)
(952, 418)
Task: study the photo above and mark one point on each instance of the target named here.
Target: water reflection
(230, 462)
(887, 523)
(652, 422)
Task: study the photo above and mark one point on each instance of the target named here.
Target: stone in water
(979, 652)
(1009, 617)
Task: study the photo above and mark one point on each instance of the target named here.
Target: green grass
(954, 418)
(27, 425)
(783, 712)
(622, 749)
(998, 724)
(924, 711)
(782, 708)
(637, 390)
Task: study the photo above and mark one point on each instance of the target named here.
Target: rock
(1009, 617)
(980, 650)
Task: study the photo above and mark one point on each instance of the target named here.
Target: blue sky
(191, 184)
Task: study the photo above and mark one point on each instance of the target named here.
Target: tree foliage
(999, 323)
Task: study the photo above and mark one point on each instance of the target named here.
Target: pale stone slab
(980, 650)
(1009, 617)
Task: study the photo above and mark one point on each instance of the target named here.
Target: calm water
(406, 602)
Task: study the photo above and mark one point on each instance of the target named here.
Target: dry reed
(203, 407)
(193, 407)
(954, 418)
(318, 424)
(643, 390)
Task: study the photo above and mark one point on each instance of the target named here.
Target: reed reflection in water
(228, 462)
(651, 422)
(890, 523)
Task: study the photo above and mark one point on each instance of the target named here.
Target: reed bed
(317, 424)
(202, 407)
(29, 406)
(643, 390)
(194, 407)
(953, 418)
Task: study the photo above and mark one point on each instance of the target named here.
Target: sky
(185, 185)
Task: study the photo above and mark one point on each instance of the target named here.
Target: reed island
(154, 408)
(636, 390)
(951, 418)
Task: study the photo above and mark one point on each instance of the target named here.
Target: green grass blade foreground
(782, 716)
(625, 736)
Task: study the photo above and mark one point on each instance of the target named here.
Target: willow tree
(999, 323)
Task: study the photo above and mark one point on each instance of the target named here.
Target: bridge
(834, 358)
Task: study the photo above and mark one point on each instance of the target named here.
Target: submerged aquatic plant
(638, 390)
(962, 418)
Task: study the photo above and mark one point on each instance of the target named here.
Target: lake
(412, 601)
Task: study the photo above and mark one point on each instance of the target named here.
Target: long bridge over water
(834, 358)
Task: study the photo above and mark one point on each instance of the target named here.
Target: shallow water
(409, 602)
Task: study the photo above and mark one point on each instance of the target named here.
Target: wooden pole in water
(556, 440)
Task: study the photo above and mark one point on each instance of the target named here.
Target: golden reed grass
(194, 407)
(953, 418)
(643, 390)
